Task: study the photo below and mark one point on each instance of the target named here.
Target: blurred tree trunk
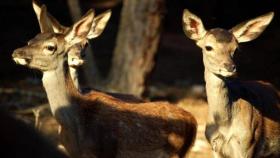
(136, 45)
(90, 71)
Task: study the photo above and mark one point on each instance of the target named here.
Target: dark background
(178, 59)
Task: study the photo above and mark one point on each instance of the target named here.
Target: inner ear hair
(193, 26)
(99, 24)
(80, 29)
(251, 29)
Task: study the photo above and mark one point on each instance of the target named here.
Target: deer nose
(17, 53)
(20, 53)
(230, 67)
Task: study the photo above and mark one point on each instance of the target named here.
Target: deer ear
(37, 8)
(251, 29)
(45, 24)
(99, 23)
(79, 31)
(57, 27)
(193, 26)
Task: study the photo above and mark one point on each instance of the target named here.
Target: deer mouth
(75, 61)
(22, 61)
(20, 57)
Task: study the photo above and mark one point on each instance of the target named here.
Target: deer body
(238, 120)
(97, 124)
(129, 129)
(243, 117)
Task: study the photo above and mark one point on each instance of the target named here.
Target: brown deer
(75, 54)
(244, 117)
(98, 126)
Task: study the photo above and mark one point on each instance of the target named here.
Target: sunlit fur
(224, 45)
(37, 56)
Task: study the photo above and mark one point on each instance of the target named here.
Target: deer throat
(219, 110)
(62, 108)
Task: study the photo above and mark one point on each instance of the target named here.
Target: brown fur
(121, 127)
(120, 96)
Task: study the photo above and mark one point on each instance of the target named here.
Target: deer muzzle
(20, 57)
(230, 67)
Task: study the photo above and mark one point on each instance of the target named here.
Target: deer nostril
(21, 54)
(230, 67)
(17, 53)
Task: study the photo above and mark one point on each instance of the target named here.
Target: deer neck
(218, 98)
(74, 76)
(63, 109)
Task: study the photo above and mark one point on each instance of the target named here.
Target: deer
(94, 125)
(243, 116)
(75, 54)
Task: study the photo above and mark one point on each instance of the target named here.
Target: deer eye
(51, 48)
(208, 48)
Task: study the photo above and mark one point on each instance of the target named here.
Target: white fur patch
(75, 62)
(227, 73)
(200, 145)
(20, 61)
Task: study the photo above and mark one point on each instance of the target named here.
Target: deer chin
(21, 61)
(75, 62)
(226, 73)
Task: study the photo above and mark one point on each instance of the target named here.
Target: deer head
(49, 48)
(75, 54)
(218, 45)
